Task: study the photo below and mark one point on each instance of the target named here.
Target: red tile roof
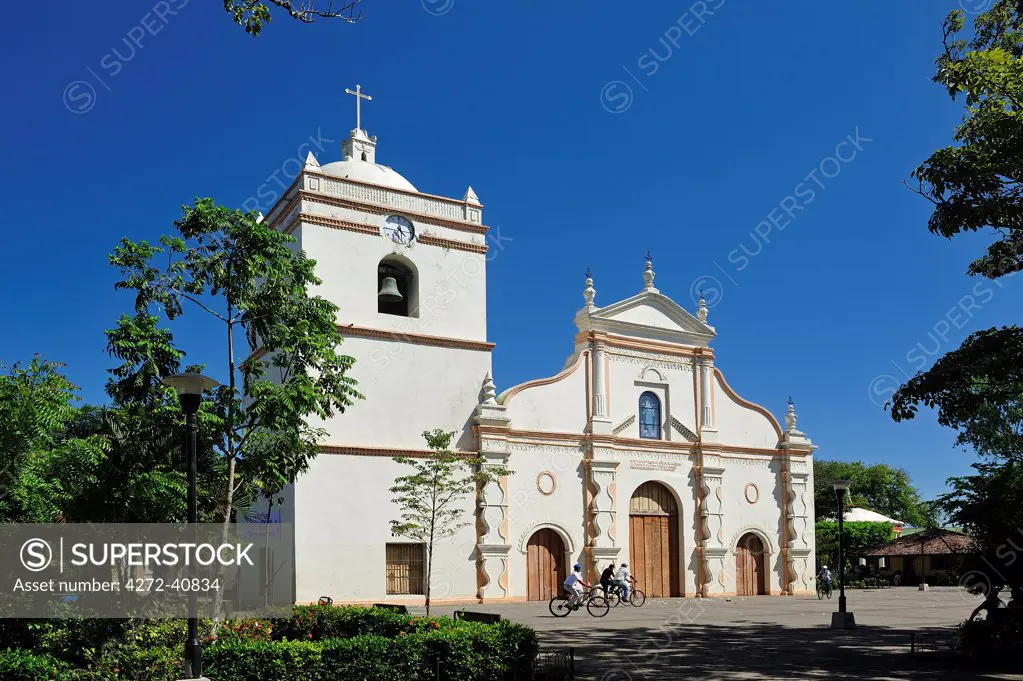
(928, 543)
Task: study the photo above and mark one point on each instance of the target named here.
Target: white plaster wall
(740, 425)
(648, 315)
(555, 407)
(528, 509)
(452, 284)
(763, 517)
(680, 481)
(408, 389)
(343, 512)
(629, 377)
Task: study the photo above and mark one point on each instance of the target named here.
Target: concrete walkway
(765, 637)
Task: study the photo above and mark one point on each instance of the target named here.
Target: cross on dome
(359, 96)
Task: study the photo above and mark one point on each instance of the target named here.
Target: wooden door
(653, 541)
(749, 566)
(545, 565)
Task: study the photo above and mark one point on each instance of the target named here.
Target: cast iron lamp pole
(841, 619)
(190, 387)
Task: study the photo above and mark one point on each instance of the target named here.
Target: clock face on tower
(399, 229)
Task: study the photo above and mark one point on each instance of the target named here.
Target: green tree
(880, 487)
(253, 15)
(254, 285)
(975, 185)
(36, 404)
(431, 499)
(858, 537)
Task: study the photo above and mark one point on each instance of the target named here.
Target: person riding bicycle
(574, 586)
(607, 577)
(622, 581)
(825, 576)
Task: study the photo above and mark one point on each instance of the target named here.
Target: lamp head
(840, 485)
(190, 386)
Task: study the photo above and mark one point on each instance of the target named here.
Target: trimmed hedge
(345, 643)
(464, 652)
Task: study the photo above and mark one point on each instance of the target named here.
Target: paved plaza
(758, 637)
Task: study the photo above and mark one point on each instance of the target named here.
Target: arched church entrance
(545, 565)
(750, 576)
(653, 540)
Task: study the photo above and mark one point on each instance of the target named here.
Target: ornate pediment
(649, 315)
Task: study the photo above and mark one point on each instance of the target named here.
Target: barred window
(406, 569)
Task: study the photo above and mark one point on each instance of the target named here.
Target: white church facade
(637, 451)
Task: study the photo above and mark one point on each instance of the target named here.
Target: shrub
(997, 641)
(461, 652)
(21, 665)
(317, 622)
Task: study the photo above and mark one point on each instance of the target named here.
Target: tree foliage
(857, 538)
(253, 15)
(987, 506)
(880, 488)
(431, 498)
(254, 285)
(974, 185)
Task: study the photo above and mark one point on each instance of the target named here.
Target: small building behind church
(636, 450)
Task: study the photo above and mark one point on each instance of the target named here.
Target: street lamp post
(190, 387)
(841, 619)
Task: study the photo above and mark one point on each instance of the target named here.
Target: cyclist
(607, 577)
(574, 586)
(622, 581)
(825, 576)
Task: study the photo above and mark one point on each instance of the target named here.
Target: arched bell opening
(397, 287)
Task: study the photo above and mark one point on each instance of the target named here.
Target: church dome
(370, 173)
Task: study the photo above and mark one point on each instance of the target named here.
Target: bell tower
(408, 272)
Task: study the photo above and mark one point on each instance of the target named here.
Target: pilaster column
(800, 575)
(492, 519)
(600, 423)
(797, 506)
(712, 520)
(599, 382)
(601, 474)
(708, 427)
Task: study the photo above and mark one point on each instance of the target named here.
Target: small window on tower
(396, 288)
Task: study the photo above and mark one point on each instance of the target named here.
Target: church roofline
(282, 208)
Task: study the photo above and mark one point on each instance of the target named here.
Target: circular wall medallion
(752, 493)
(545, 483)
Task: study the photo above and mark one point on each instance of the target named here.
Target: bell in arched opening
(389, 292)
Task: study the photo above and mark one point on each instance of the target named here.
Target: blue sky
(591, 131)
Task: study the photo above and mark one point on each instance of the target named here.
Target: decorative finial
(790, 417)
(701, 308)
(648, 274)
(310, 161)
(470, 197)
(589, 293)
(489, 390)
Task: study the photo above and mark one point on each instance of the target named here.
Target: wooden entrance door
(653, 541)
(545, 565)
(749, 566)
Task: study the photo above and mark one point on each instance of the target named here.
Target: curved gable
(740, 422)
(554, 404)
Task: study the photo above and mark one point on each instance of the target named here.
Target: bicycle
(823, 589)
(636, 597)
(596, 604)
